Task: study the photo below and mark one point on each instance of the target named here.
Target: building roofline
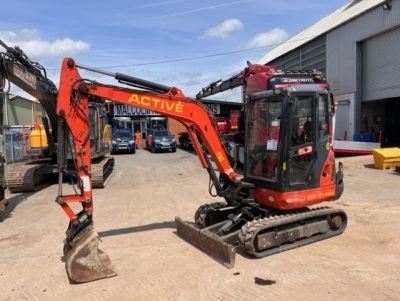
(342, 15)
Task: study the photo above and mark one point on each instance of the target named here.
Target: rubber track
(202, 211)
(251, 229)
(102, 170)
(24, 177)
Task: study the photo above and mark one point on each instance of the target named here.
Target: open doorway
(136, 126)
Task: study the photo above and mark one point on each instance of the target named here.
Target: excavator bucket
(208, 242)
(84, 262)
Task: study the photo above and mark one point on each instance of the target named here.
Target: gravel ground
(135, 215)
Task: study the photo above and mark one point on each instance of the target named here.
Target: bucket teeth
(208, 242)
(84, 262)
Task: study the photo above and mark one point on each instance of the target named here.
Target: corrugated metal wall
(380, 66)
(310, 56)
(348, 51)
(342, 42)
(345, 62)
(22, 111)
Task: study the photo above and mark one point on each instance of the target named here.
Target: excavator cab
(288, 144)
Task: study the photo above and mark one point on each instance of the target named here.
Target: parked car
(159, 140)
(122, 141)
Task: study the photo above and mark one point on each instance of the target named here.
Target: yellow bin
(385, 158)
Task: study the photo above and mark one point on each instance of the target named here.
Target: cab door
(301, 142)
(308, 144)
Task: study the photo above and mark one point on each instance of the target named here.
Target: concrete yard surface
(134, 215)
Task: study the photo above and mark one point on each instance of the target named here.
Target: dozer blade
(208, 242)
(84, 262)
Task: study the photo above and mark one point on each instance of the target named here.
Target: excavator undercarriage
(222, 229)
(28, 176)
(102, 170)
(36, 174)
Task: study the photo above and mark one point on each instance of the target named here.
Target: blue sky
(182, 43)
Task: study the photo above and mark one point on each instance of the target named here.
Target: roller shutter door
(380, 66)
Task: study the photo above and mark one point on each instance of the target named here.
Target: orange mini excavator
(265, 212)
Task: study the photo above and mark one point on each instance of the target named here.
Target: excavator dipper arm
(84, 262)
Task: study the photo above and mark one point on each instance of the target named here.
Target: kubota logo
(155, 103)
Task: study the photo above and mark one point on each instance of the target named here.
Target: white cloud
(23, 35)
(224, 29)
(55, 48)
(30, 41)
(270, 38)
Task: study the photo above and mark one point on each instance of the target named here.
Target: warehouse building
(357, 48)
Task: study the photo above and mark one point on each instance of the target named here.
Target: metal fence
(13, 146)
(17, 143)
